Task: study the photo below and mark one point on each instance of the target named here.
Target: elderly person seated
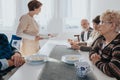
(86, 46)
(105, 53)
(9, 56)
(85, 34)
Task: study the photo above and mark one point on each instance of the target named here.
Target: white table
(32, 72)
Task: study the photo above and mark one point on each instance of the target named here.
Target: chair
(15, 41)
(78, 37)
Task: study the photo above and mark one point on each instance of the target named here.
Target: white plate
(36, 59)
(70, 59)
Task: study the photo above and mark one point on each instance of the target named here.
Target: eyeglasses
(105, 22)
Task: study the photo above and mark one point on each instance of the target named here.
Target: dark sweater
(88, 34)
(110, 56)
(6, 51)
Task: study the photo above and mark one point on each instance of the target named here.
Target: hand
(82, 44)
(17, 59)
(50, 35)
(38, 38)
(10, 63)
(75, 46)
(76, 42)
(95, 57)
(70, 40)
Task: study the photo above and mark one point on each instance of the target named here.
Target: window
(69, 11)
(11, 11)
(76, 10)
(7, 14)
(45, 15)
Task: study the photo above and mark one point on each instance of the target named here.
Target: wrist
(10, 63)
(78, 47)
(96, 63)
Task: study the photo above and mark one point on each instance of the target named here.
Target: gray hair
(113, 16)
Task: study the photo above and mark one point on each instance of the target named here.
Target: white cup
(82, 68)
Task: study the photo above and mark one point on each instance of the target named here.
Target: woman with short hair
(28, 29)
(105, 53)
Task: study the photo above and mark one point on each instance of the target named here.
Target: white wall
(95, 7)
(56, 22)
(99, 6)
(68, 12)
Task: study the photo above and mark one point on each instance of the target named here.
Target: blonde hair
(112, 16)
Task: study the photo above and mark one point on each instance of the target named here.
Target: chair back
(16, 41)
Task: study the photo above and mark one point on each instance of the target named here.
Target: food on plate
(36, 58)
(72, 58)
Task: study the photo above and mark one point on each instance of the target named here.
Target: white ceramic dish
(36, 59)
(70, 59)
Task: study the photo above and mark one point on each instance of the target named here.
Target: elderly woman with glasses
(105, 53)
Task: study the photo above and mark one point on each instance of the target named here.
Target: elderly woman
(105, 53)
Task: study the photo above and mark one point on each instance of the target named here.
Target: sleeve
(14, 50)
(85, 48)
(94, 49)
(3, 64)
(44, 36)
(111, 68)
(82, 36)
(22, 27)
(5, 48)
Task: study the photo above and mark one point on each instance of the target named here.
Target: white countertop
(32, 72)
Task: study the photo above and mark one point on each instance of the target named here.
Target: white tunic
(28, 29)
